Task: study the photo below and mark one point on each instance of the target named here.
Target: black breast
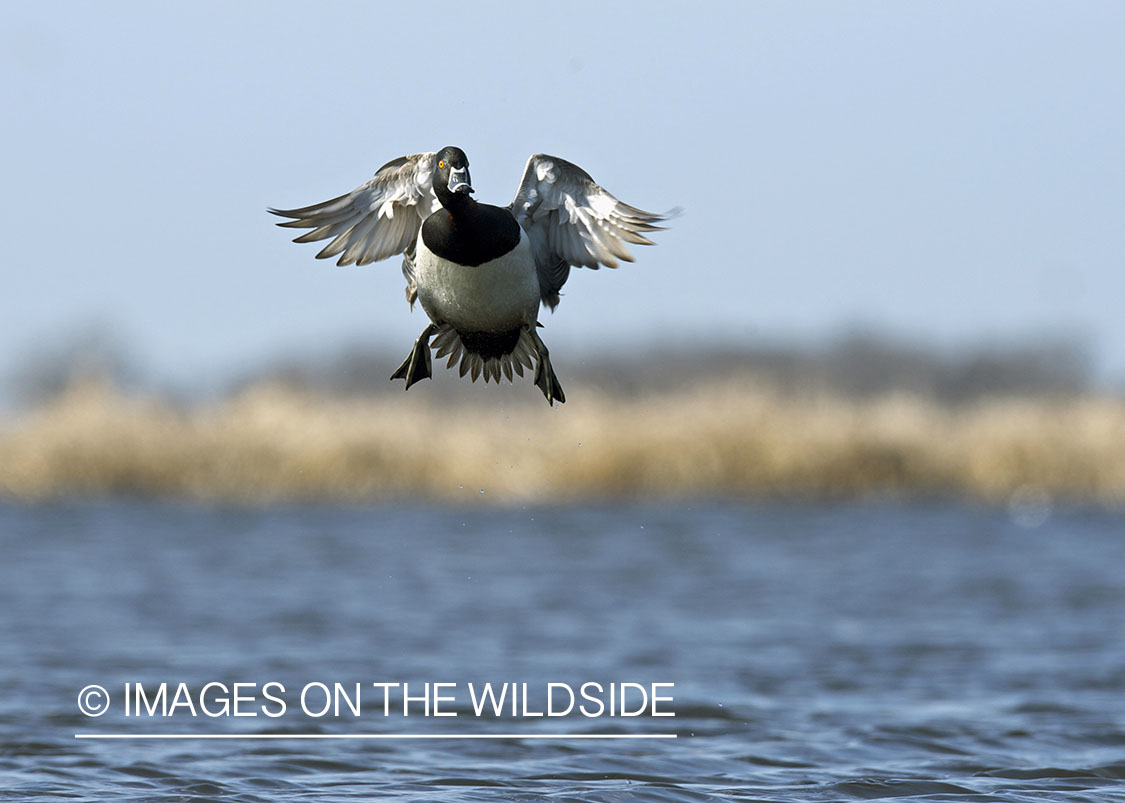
(472, 234)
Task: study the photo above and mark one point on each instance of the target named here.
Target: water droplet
(482, 490)
(460, 485)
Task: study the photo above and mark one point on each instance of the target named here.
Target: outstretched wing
(376, 220)
(572, 221)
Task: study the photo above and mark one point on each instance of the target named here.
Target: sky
(952, 172)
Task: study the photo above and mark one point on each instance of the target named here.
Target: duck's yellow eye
(441, 165)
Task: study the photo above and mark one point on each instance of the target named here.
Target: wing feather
(573, 221)
(375, 220)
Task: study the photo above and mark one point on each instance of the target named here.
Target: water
(818, 653)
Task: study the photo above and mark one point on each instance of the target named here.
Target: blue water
(818, 653)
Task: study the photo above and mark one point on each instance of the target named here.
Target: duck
(481, 273)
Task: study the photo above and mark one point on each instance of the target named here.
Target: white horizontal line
(375, 736)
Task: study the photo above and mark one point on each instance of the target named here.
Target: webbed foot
(545, 378)
(417, 365)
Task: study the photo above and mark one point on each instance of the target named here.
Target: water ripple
(819, 654)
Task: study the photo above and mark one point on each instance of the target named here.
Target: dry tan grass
(730, 438)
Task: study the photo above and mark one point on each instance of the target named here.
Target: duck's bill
(459, 180)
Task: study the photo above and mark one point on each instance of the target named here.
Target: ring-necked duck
(479, 271)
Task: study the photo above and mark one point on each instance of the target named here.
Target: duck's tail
(488, 354)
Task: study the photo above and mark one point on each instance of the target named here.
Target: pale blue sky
(951, 171)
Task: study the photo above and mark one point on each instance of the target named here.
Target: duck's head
(451, 176)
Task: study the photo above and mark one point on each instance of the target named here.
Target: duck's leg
(545, 377)
(417, 364)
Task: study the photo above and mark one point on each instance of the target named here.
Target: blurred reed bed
(730, 437)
